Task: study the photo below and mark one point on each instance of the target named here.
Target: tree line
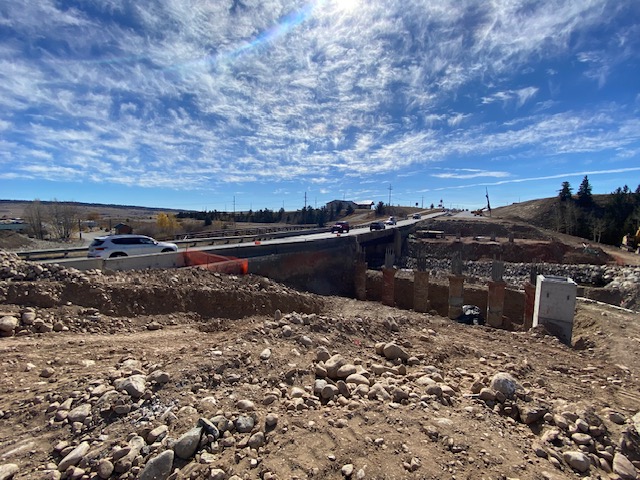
(605, 219)
(305, 216)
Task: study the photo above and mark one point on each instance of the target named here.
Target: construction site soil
(189, 374)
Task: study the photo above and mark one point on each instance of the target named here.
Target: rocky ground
(190, 374)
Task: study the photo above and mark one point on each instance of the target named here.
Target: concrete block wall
(439, 296)
(138, 262)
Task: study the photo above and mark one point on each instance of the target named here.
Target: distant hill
(603, 218)
(537, 212)
(15, 208)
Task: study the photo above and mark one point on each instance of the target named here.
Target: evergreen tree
(321, 218)
(584, 193)
(565, 192)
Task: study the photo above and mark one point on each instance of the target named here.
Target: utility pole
(390, 194)
(422, 204)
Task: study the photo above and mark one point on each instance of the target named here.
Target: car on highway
(376, 226)
(340, 227)
(417, 216)
(390, 221)
(111, 246)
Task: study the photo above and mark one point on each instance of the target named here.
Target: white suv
(124, 245)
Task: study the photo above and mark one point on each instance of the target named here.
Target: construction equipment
(631, 242)
(480, 211)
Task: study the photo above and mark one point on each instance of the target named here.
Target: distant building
(341, 205)
(123, 229)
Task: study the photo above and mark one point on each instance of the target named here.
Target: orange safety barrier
(216, 263)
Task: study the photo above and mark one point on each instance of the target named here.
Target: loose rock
(158, 468)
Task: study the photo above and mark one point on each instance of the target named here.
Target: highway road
(310, 237)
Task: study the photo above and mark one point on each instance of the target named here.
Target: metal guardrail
(243, 232)
(65, 252)
(260, 234)
(58, 252)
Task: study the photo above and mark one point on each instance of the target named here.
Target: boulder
(158, 468)
(624, 468)
(504, 383)
(579, 461)
(187, 444)
(74, 457)
(8, 324)
(8, 470)
(134, 385)
(391, 351)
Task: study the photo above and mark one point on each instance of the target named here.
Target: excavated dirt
(12, 241)
(208, 333)
(486, 239)
(530, 251)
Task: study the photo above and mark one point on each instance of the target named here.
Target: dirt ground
(216, 351)
(435, 415)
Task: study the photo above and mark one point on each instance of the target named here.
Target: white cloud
(467, 173)
(457, 119)
(519, 97)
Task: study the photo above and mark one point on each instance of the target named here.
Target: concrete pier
(456, 296)
(529, 305)
(421, 288)
(388, 279)
(495, 304)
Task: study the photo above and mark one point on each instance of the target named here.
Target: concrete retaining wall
(325, 272)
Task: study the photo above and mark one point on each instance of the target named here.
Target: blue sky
(197, 104)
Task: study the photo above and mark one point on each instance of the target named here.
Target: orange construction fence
(216, 263)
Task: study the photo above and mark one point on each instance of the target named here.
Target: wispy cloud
(467, 173)
(564, 175)
(519, 97)
(194, 95)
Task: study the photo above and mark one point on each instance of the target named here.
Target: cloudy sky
(221, 104)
